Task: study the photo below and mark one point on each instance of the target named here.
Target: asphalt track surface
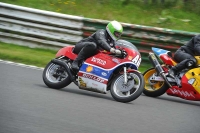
(28, 106)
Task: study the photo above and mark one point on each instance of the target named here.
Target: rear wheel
(55, 76)
(153, 88)
(127, 92)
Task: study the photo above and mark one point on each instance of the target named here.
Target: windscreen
(126, 44)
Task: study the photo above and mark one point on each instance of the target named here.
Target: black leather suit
(88, 47)
(99, 40)
(185, 54)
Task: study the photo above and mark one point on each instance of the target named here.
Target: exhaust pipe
(65, 65)
(155, 63)
(158, 67)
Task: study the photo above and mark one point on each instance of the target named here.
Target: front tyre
(55, 76)
(127, 92)
(153, 88)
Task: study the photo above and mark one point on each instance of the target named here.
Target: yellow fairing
(194, 74)
(174, 63)
(198, 60)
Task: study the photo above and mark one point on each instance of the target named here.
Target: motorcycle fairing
(98, 71)
(163, 55)
(198, 60)
(194, 76)
(107, 61)
(183, 93)
(90, 81)
(94, 77)
(190, 89)
(67, 51)
(159, 51)
(91, 76)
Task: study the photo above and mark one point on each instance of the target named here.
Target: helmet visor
(117, 34)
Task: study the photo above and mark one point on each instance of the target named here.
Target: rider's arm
(101, 40)
(197, 45)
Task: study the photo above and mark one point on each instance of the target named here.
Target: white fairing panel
(92, 82)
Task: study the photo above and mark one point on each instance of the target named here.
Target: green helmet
(114, 29)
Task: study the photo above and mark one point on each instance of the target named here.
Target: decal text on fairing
(93, 78)
(184, 93)
(137, 60)
(99, 61)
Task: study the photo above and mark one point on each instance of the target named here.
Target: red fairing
(186, 92)
(165, 58)
(106, 61)
(183, 93)
(66, 51)
(185, 85)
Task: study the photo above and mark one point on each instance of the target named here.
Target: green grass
(31, 56)
(22, 54)
(171, 15)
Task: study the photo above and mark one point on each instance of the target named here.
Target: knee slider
(190, 64)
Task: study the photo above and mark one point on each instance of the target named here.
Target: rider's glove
(124, 53)
(115, 51)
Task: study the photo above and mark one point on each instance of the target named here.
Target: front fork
(125, 76)
(158, 67)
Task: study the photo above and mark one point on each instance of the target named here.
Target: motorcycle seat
(73, 51)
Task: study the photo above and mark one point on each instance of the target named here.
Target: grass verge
(22, 54)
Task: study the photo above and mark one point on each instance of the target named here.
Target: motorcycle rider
(185, 55)
(103, 39)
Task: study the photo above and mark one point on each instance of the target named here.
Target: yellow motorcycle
(185, 84)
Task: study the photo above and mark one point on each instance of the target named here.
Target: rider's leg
(185, 61)
(88, 49)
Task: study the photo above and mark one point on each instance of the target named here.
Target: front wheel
(127, 92)
(153, 88)
(55, 76)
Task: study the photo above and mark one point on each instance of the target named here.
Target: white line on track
(21, 65)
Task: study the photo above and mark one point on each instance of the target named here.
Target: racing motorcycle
(185, 84)
(100, 73)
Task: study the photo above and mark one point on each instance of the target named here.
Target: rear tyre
(55, 76)
(153, 88)
(127, 92)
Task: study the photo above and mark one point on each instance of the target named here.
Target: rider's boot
(180, 66)
(77, 62)
(172, 72)
(87, 51)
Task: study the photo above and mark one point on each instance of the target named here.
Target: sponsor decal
(93, 77)
(98, 79)
(130, 57)
(99, 61)
(137, 60)
(89, 69)
(184, 93)
(82, 84)
(104, 74)
(95, 84)
(116, 60)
